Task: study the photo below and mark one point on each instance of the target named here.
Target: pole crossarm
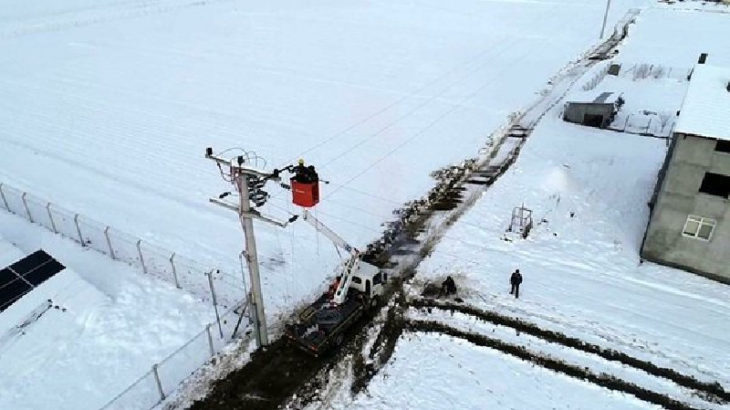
(248, 214)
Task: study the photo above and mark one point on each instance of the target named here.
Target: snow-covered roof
(66, 289)
(593, 97)
(706, 107)
(8, 253)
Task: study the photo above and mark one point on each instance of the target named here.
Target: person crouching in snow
(515, 280)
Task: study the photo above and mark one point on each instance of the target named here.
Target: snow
(541, 347)
(9, 253)
(120, 99)
(111, 325)
(603, 97)
(478, 378)
(652, 95)
(109, 106)
(65, 289)
(588, 190)
(582, 274)
(706, 107)
(676, 38)
(583, 277)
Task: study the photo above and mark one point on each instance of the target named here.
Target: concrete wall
(575, 112)
(679, 197)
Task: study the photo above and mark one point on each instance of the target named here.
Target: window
(716, 184)
(723, 146)
(356, 280)
(378, 278)
(699, 227)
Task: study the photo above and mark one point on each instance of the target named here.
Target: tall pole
(605, 17)
(240, 174)
(257, 300)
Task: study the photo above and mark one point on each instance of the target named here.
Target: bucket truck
(322, 325)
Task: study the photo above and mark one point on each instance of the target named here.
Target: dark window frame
(715, 184)
(723, 146)
(378, 278)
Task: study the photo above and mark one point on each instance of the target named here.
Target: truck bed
(319, 325)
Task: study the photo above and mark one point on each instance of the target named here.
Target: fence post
(174, 271)
(78, 229)
(215, 301)
(159, 384)
(210, 340)
(25, 203)
(50, 216)
(5, 201)
(141, 258)
(109, 243)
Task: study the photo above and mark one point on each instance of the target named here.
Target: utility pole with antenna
(605, 18)
(249, 183)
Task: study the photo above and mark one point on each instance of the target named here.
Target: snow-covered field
(109, 106)
(583, 277)
(112, 324)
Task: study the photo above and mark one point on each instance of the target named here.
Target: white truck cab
(368, 280)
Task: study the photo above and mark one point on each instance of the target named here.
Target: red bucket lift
(305, 186)
(305, 194)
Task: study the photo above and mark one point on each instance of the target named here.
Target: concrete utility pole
(605, 18)
(241, 175)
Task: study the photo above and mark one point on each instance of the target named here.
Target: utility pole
(605, 18)
(246, 179)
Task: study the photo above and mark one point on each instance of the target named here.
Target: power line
(454, 69)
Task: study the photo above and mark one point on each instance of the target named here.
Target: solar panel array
(24, 275)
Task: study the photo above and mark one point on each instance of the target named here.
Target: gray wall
(574, 112)
(679, 197)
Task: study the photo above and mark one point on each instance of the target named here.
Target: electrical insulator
(259, 197)
(255, 183)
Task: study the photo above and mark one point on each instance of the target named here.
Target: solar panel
(24, 275)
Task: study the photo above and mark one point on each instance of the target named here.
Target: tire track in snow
(714, 389)
(603, 380)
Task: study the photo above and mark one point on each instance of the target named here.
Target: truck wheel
(338, 340)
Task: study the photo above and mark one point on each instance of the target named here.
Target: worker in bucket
(515, 280)
(303, 173)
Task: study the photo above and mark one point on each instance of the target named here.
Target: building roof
(592, 97)
(706, 108)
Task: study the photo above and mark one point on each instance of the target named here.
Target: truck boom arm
(351, 266)
(331, 235)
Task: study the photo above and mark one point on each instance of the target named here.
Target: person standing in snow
(515, 280)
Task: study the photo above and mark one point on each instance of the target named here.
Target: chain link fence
(164, 377)
(209, 284)
(643, 71)
(223, 290)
